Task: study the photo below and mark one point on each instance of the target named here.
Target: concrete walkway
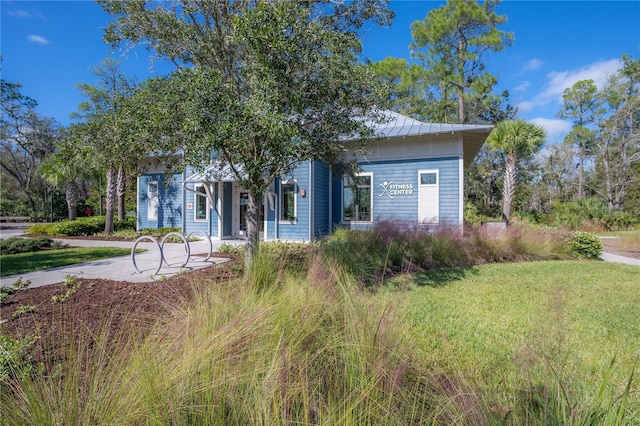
(609, 257)
(122, 268)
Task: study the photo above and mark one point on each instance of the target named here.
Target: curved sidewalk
(121, 268)
(608, 257)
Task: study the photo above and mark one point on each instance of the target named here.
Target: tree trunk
(71, 194)
(253, 230)
(461, 75)
(508, 187)
(122, 187)
(111, 199)
(581, 174)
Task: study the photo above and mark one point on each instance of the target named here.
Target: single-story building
(413, 173)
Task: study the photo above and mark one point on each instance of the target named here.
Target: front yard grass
(514, 329)
(21, 263)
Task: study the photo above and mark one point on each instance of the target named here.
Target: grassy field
(510, 327)
(21, 263)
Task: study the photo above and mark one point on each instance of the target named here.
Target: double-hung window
(201, 211)
(288, 203)
(357, 203)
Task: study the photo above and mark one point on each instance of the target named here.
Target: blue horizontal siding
(404, 208)
(298, 231)
(169, 201)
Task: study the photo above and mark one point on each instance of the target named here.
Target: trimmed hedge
(81, 227)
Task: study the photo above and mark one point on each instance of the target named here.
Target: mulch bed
(100, 306)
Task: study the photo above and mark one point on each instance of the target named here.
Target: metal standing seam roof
(398, 125)
(395, 126)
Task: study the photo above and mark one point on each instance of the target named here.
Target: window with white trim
(152, 200)
(201, 204)
(357, 202)
(288, 200)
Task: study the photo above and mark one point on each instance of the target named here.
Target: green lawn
(12, 264)
(513, 326)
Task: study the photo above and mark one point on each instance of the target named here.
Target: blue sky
(50, 46)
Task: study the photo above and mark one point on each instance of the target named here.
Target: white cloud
(598, 72)
(24, 14)
(525, 106)
(533, 65)
(556, 129)
(522, 87)
(19, 13)
(558, 81)
(37, 39)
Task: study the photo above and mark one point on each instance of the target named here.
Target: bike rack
(133, 253)
(187, 249)
(160, 246)
(206, 237)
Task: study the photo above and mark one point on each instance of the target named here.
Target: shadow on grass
(442, 276)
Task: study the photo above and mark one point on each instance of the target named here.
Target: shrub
(42, 229)
(128, 224)
(585, 245)
(80, 226)
(15, 358)
(5, 292)
(15, 245)
(231, 249)
(619, 221)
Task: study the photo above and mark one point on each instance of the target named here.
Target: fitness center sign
(391, 189)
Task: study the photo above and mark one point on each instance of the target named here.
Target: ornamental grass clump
(392, 248)
(305, 351)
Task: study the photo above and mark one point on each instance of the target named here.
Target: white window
(357, 202)
(152, 200)
(288, 200)
(201, 204)
(428, 196)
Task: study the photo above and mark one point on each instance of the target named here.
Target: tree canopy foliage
(260, 86)
(450, 42)
(106, 133)
(26, 138)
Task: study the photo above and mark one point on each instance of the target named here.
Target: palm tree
(61, 173)
(515, 139)
(67, 169)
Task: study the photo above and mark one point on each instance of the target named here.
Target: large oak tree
(260, 86)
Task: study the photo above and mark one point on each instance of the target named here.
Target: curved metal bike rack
(187, 249)
(133, 253)
(160, 245)
(206, 237)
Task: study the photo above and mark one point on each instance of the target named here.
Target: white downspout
(330, 199)
(461, 196)
(184, 202)
(138, 218)
(310, 194)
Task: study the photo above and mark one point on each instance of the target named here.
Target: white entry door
(428, 196)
